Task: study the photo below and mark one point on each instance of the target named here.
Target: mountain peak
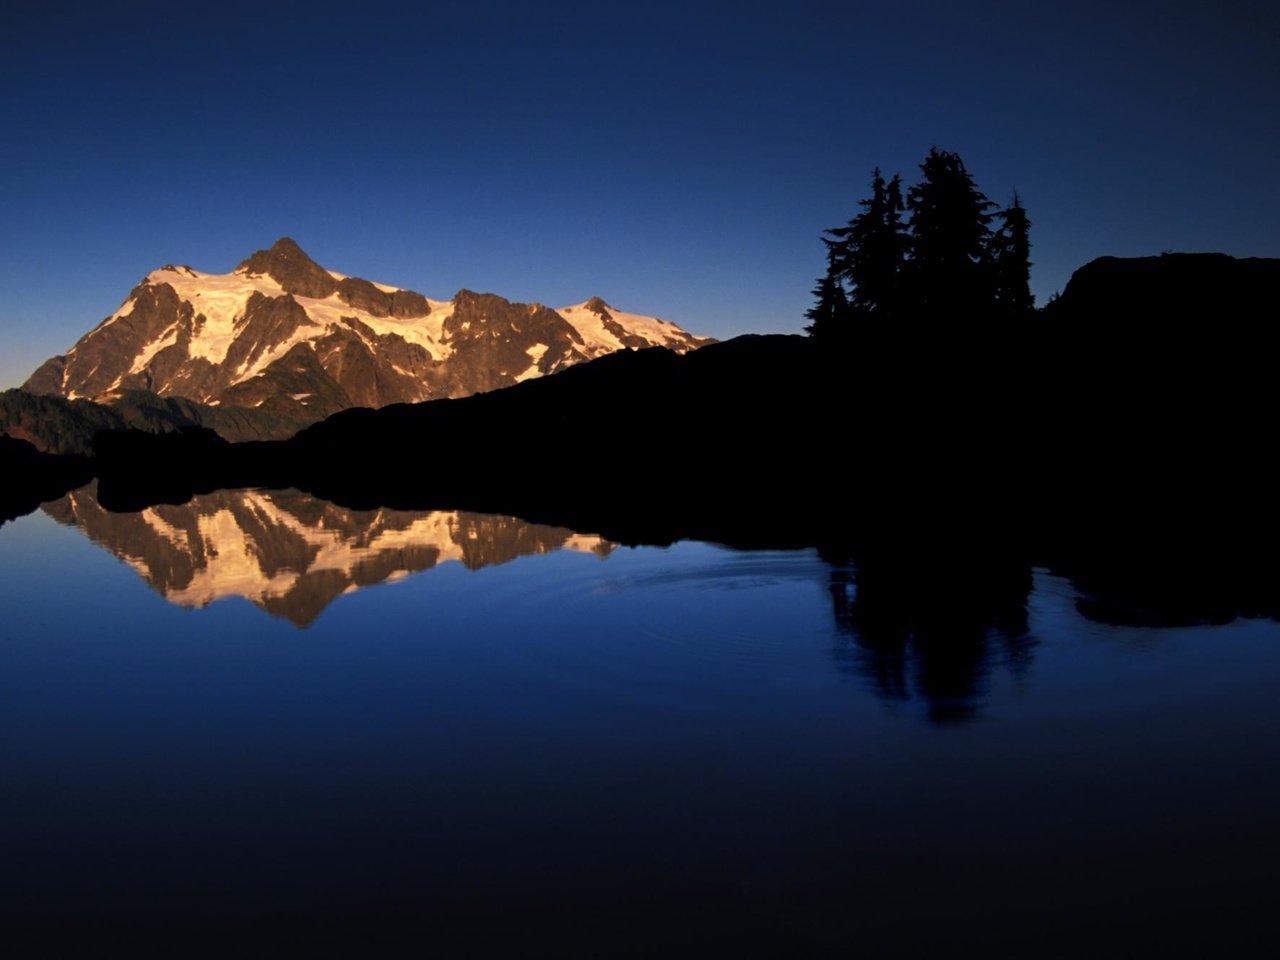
(284, 249)
(287, 245)
(283, 334)
(288, 264)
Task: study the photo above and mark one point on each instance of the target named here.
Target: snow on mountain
(281, 332)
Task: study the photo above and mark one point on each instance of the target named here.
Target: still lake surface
(262, 719)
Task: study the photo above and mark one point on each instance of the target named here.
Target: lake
(258, 722)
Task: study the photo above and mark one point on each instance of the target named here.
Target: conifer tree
(872, 249)
(864, 265)
(949, 271)
(944, 264)
(829, 314)
(1011, 261)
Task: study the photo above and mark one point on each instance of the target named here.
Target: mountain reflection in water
(292, 554)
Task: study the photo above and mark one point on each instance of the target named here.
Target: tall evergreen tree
(949, 270)
(829, 314)
(872, 249)
(1011, 262)
(864, 265)
(945, 263)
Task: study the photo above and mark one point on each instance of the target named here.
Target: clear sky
(675, 159)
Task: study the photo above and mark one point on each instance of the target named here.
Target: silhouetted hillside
(1205, 289)
(649, 438)
(1157, 376)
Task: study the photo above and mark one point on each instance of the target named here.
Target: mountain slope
(283, 333)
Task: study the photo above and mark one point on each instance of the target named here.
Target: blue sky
(675, 159)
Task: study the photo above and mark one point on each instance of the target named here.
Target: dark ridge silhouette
(1165, 508)
(1137, 291)
(649, 442)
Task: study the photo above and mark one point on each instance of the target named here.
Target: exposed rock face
(365, 296)
(293, 555)
(491, 340)
(288, 265)
(283, 334)
(48, 378)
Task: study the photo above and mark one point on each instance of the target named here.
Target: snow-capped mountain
(293, 555)
(280, 332)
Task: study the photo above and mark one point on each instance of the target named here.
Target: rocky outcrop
(366, 296)
(287, 264)
(49, 377)
(491, 339)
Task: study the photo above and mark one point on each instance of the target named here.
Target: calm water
(257, 720)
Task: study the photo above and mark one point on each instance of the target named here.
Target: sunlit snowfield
(462, 730)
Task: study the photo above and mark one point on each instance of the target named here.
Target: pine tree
(830, 312)
(872, 251)
(866, 256)
(944, 264)
(1011, 262)
(949, 271)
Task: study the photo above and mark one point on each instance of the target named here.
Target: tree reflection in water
(932, 628)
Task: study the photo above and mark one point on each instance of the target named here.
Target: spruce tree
(1011, 262)
(830, 312)
(944, 264)
(873, 247)
(949, 272)
(864, 266)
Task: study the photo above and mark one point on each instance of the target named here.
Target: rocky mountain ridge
(283, 335)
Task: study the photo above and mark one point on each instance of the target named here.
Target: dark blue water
(597, 750)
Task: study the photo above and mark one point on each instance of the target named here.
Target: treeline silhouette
(934, 254)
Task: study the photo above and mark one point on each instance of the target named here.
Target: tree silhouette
(944, 263)
(830, 312)
(949, 271)
(1011, 261)
(871, 250)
